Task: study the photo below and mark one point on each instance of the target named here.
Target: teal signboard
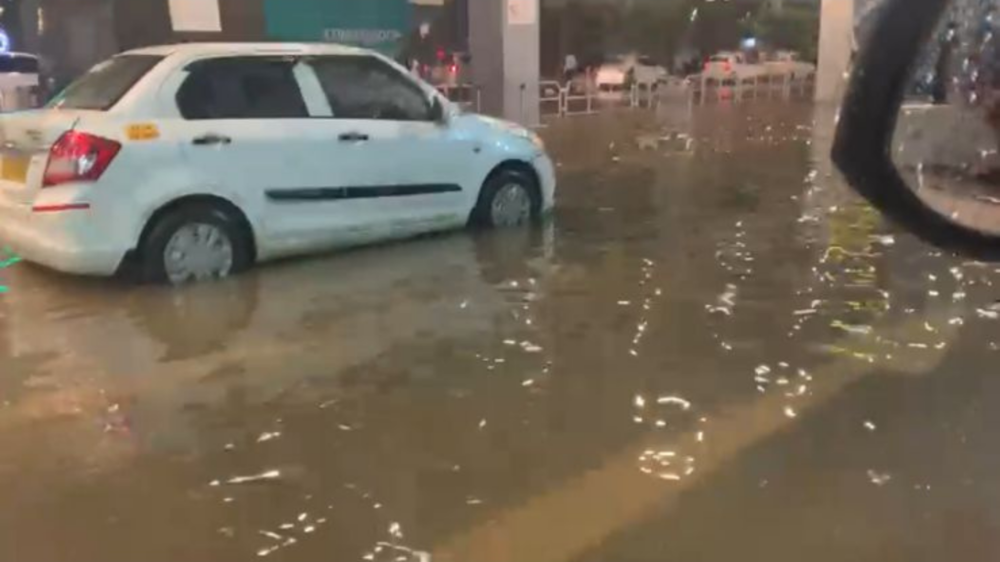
(382, 25)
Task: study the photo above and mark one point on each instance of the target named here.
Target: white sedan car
(613, 76)
(728, 65)
(195, 161)
(791, 64)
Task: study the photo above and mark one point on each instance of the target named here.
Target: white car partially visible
(728, 65)
(731, 65)
(789, 63)
(613, 76)
(195, 161)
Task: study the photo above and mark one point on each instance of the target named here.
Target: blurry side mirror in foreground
(919, 134)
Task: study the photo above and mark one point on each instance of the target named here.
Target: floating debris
(879, 479)
(263, 476)
(861, 330)
(674, 400)
(987, 313)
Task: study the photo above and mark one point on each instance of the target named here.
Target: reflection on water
(721, 344)
(7, 259)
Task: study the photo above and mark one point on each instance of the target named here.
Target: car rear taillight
(79, 157)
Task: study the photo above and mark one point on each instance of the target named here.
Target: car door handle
(211, 139)
(353, 136)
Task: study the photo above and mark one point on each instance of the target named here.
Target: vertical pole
(836, 41)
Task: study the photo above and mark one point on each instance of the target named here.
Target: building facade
(72, 35)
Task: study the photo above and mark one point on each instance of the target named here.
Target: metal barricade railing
(550, 97)
(581, 98)
(711, 89)
(643, 95)
(779, 86)
(803, 85)
(675, 97)
(741, 89)
(466, 96)
(747, 89)
(577, 99)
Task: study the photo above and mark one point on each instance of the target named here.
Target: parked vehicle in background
(732, 65)
(194, 161)
(19, 81)
(723, 63)
(616, 75)
(789, 63)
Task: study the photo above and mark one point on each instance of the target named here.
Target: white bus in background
(19, 81)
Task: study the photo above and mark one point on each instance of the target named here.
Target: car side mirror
(919, 127)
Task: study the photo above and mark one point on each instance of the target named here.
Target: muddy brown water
(706, 355)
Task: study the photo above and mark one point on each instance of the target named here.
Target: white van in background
(19, 81)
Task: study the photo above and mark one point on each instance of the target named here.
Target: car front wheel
(509, 198)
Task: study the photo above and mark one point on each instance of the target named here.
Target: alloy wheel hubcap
(198, 251)
(511, 206)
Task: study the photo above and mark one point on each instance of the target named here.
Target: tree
(794, 28)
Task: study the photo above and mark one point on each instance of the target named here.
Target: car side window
(362, 87)
(241, 88)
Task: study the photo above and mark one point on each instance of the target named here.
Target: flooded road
(707, 355)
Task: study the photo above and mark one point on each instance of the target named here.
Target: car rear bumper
(70, 241)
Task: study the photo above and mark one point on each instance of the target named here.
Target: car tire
(220, 222)
(514, 189)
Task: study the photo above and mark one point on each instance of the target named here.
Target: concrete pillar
(504, 40)
(29, 41)
(836, 41)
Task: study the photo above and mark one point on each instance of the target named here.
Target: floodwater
(711, 354)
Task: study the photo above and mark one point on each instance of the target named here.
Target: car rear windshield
(105, 84)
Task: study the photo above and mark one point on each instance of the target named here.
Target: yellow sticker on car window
(142, 132)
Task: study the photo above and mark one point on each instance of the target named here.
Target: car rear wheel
(194, 243)
(509, 198)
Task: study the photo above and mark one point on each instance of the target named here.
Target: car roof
(209, 49)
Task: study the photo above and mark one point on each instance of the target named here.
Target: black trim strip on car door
(373, 192)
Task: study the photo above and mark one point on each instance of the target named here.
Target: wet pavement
(706, 355)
